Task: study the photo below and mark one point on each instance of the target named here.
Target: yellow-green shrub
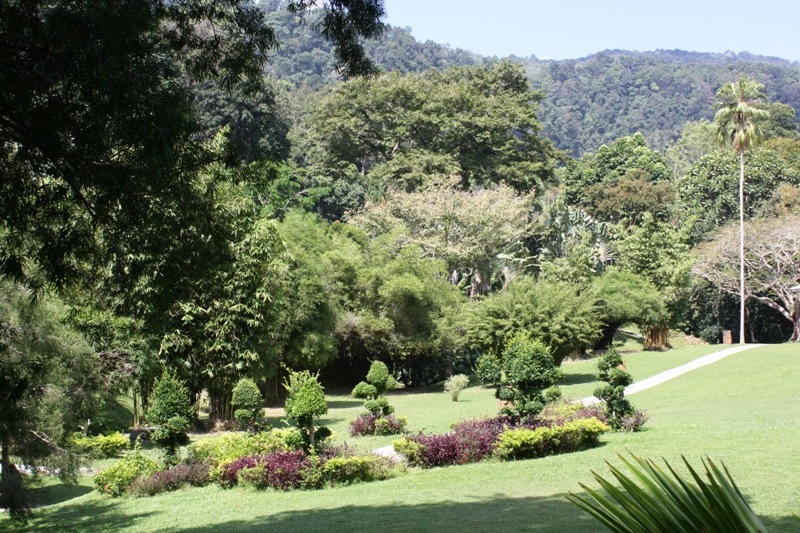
(99, 447)
(116, 480)
(346, 470)
(523, 443)
(226, 448)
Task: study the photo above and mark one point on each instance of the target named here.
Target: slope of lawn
(743, 410)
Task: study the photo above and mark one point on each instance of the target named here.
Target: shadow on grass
(57, 493)
(494, 514)
(577, 379)
(345, 404)
(89, 516)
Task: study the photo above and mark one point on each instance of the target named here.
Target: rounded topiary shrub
(247, 400)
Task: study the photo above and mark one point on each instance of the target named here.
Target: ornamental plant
(170, 412)
(455, 384)
(520, 375)
(619, 411)
(658, 502)
(378, 382)
(247, 400)
(118, 479)
(377, 420)
(306, 401)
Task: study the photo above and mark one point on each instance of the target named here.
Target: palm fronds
(651, 500)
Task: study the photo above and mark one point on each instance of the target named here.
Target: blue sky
(562, 29)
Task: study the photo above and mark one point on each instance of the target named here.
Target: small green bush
(170, 411)
(384, 426)
(348, 470)
(619, 411)
(455, 384)
(409, 449)
(306, 401)
(256, 477)
(520, 375)
(378, 375)
(379, 407)
(247, 400)
(116, 480)
(99, 447)
(365, 391)
(523, 443)
(231, 446)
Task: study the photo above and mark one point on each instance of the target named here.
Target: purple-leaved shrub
(194, 474)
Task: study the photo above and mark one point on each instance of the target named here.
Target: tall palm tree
(738, 114)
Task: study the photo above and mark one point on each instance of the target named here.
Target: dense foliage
(520, 375)
(305, 402)
(171, 412)
(556, 314)
(615, 93)
(563, 429)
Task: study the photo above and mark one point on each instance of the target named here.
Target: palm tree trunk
(741, 247)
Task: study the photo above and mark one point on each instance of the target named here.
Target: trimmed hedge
(99, 447)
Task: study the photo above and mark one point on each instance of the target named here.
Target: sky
(564, 29)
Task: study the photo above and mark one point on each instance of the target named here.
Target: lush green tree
(52, 383)
(520, 375)
(625, 202)
(171, 412)
(707, 195)
(658, 252)
(465, 229)
(79, 152)
(627, 298)
(478, 123)
(306, 401)
(626, 157)
(737, 118)
(569, 241)
(553, 313)
(781, 123)
(698, 138)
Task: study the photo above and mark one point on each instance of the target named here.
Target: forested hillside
(592, 101)
(588, 102)
(306, 58)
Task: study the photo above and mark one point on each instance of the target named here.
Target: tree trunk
(219, 405)
(6, 458)
(656, 338)
(796, 322)
(741, 247)
(135, 410)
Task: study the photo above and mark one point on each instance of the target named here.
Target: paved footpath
(672, 373)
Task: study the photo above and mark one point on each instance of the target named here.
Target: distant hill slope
(593, 100)
(305, 58)
(590, 101)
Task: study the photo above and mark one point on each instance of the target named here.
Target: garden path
(672, 373)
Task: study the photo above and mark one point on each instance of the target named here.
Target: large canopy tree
(737, 120)
(465, 229)
(97, 129)
(475, 122)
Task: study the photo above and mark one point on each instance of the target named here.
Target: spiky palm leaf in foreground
(669, 504)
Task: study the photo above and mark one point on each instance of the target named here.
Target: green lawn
(743, 410)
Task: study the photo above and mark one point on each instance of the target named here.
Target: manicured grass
(743, 410)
